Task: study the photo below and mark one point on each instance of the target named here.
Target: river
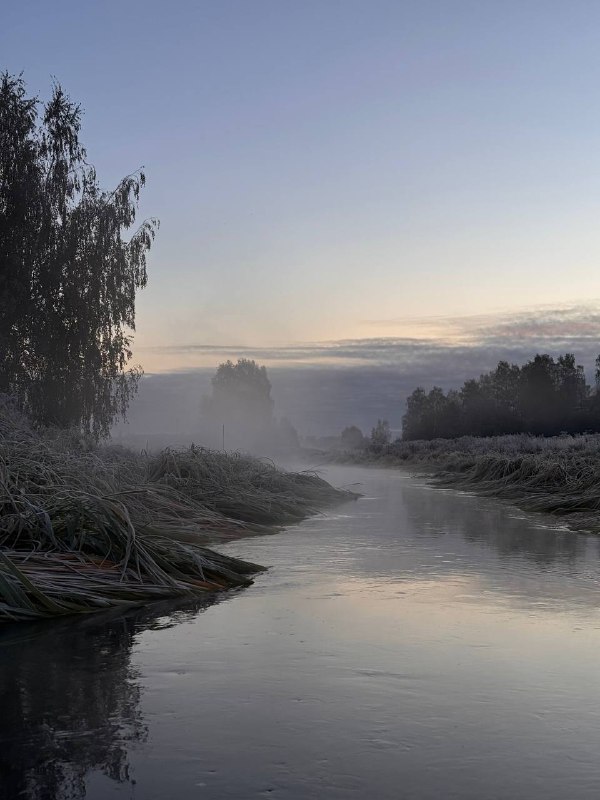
(417, 643)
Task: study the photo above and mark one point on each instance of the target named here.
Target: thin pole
(223, 437)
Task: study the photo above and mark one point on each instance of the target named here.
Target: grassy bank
(557, 475)
(84, 528)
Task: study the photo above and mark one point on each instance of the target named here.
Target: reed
(84, 528)
(557, 475)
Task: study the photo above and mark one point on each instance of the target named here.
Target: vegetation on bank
(556, 475)
(531, 438)
(84, 527)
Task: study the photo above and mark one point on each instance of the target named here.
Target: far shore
(558, 475)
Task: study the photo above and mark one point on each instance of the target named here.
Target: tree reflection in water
(70, 701)
(496, 524)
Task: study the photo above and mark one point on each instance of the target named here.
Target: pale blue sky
(327, 170)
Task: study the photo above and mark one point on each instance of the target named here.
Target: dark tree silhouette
(240, 391)
(352, 438)
(538, 398)
(68, 277)
(414, 422)
(241, 401)
(544, 396)
(381, 434)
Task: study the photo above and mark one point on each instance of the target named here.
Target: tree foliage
(68, 277)
(241, 402)
(381, 434)
(241, 392)
(544, 396)
(352, 438)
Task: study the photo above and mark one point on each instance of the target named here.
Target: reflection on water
(70, 701)
(418, 643)
(410, 531)
(490, 523)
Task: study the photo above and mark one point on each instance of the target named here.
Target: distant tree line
(352, 438)
(545, 396)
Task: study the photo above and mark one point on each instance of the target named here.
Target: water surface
(418, 643)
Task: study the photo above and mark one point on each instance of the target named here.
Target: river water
(417, 643)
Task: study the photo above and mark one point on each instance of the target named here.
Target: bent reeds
(84, 528)
(557, 475)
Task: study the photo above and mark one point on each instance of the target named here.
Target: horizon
(321, 397)
(324, 387)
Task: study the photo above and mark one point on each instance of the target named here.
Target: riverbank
(84, 527)
(386, 641)
(555, 475)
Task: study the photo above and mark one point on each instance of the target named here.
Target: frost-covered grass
(84, 527)
(557, 475)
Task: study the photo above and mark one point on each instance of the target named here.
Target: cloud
(575, 328)
(578, 326)
(324, 386)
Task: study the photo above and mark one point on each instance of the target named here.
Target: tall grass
(84, 528)
(557, 475)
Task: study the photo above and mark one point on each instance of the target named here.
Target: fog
(322, 399)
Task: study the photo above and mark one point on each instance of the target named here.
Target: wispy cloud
(482, 338)
(554, 322)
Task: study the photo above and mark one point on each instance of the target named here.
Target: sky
(335, 170)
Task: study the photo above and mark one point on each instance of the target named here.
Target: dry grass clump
(555, 482)
(247, 489)
(512, 445)
(83, 528)
(557, 475)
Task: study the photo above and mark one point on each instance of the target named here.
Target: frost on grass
(85, 527)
